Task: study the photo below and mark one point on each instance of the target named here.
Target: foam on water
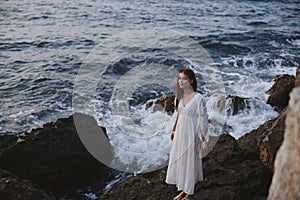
(295, 42)
(252, 81)
(141, 141)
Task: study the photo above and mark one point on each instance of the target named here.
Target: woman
(189, 136)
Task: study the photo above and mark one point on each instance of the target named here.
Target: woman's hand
(172, 136)
(202, 145)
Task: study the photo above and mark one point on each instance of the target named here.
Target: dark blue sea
(46, 45)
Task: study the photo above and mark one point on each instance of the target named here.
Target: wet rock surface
(14, 188)
(165, 103)
(271, 139)
(279, 92)
(297, 80)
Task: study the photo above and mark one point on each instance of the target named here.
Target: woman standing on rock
(189, 136)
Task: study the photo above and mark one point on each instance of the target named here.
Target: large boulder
(271, 139)
(286, 179)
(14, 188)
(53, 157)
(265, 140)
(279, 92)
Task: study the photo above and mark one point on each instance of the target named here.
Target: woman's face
(183, 81)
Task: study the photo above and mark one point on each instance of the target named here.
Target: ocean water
(46, 45)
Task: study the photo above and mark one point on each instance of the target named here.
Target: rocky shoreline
(52, 163)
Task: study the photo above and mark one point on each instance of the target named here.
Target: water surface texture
(44, 43)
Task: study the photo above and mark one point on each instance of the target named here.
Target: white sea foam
(91, 196)
(139, 143)
(294, 42)
(249, 80)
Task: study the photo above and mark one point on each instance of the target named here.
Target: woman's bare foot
(178, 197)
(187, 197)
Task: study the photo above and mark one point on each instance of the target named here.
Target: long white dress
(185, 162)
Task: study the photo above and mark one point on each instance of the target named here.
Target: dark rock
(232, 105)
(270, 140)
(146, 186)
(248, 142)
(53, 156)
(236, 104)
(279, 92)
(13, 188)
(265, 140)
(234, 171)
(165, 103)
(297, 80)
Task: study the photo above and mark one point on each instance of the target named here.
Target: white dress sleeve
(202, 121)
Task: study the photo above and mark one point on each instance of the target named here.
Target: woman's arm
(174, 126)
(203, 123)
